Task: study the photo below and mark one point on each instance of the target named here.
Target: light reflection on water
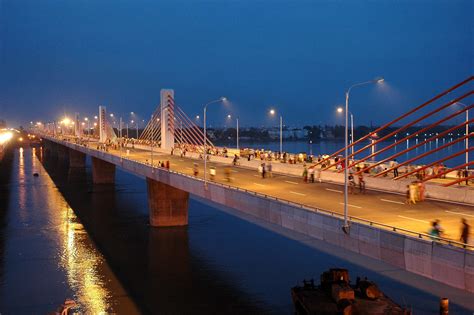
(47, 244)
(77, 256)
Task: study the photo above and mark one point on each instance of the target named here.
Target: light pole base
(346, 229)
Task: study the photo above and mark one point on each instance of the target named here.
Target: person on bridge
(352, 184)
(227, 173)
(465, 228)
(212, 172)
(269, 169)
(436, 229)
(395, 168)
(195, 169)
(361, 183)
(311, 174)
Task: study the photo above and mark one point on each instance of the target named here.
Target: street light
(345, 228)
(222, 99)
(340, 110)
(237, 128)
(467, 132)
(273, 112)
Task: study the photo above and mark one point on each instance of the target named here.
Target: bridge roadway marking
(260, 184)
(290, 182)
(297, 193)
(460, 213)
(380, 211)
(358, 207)
(413, 219)
(393, 201)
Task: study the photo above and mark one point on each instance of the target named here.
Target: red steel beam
(434, 163)
(424, 154)
(413, 147)
(459, 180)
(447, 171)
(406, 126)
(401, 117)
(413, 135)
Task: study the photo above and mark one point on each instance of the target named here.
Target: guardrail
(419, 235)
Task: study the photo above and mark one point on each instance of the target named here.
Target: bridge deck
(381, 207)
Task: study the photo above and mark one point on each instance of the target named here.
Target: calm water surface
(62, 237)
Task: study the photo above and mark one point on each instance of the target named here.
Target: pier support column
(168, 205)
(102, 172)
(63, 152)
(76, 159)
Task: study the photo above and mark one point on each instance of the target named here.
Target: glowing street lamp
(272, 113)
(345, 228)
(237, 128)
(222, 99)
(341, 110)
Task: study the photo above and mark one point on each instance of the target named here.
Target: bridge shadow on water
(156, 266)
(5, 175)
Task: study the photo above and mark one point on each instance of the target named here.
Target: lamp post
(237, 123)
(467, 132)
(222, 99)
(237, 129)
(272, 112)
(345, 228)
(340, 110)
(88, 128)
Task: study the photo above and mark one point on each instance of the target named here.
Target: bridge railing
(419, 235)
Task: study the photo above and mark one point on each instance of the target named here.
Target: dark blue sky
(300, 56)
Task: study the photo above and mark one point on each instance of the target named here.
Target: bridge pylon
(167, 118)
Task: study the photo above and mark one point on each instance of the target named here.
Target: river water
(61, 237)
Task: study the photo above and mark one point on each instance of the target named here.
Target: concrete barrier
(469, 271)
(392, 248)
(418, 256)
(447, 265)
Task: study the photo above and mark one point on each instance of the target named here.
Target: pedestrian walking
(269, 170)
(361, 183)
(352, 184)
(305, 174)
(195, 169)
(465, 228)
(408, 200)
(311, 174)
(436, 229)
(421, 191)
(412, 193)
(466, 176)
(212, 172)
(261, 170)
(227, 174)
(395, 168)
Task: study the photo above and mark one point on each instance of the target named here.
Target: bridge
(382, 225)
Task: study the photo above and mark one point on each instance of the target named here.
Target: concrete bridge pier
(76, 159)
(63, 152)
(102, 172)
(50, 150)
(168, 205)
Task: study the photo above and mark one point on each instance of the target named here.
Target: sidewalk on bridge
(434, 190)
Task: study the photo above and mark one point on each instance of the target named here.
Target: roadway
(381, 207)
